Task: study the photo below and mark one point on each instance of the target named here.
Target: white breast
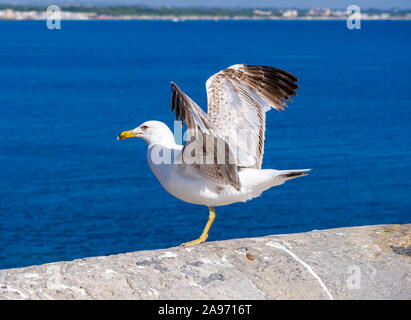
(185, 184)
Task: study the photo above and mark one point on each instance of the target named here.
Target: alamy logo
(354, 18)
(53, 17)
(354, 277)
(54, 277)
(201, 148)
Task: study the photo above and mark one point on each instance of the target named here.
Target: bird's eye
(144, 127)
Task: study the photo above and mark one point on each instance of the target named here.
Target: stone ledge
(370, 262)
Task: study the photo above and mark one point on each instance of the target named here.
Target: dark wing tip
(272, 70)
(178, 103)
(276, 84)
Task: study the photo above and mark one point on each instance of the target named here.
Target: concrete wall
(370, 262)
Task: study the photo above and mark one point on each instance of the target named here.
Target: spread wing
(238, 98)
(207, 151)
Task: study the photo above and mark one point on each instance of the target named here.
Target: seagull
(220, 163)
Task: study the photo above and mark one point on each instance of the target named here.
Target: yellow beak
(127, 134)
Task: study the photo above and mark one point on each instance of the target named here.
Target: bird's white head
(152, 132)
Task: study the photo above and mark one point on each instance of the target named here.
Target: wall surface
(370, 262)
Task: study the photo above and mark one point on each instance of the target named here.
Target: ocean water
(69, 189)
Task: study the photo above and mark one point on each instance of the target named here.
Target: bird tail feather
(291, 174)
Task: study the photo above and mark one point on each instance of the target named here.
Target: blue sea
(69, 189)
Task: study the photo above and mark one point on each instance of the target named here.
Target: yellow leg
(204, 235)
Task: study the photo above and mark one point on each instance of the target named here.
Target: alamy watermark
(54, 279)
(354, 18)
(53, 17)
(355, 275)
(207, 147)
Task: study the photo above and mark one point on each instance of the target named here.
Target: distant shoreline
(28, 12)
(212, 18)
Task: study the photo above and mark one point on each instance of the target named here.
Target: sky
(381, 4)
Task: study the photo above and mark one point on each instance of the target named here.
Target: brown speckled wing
(214, 159)
(238, 98)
